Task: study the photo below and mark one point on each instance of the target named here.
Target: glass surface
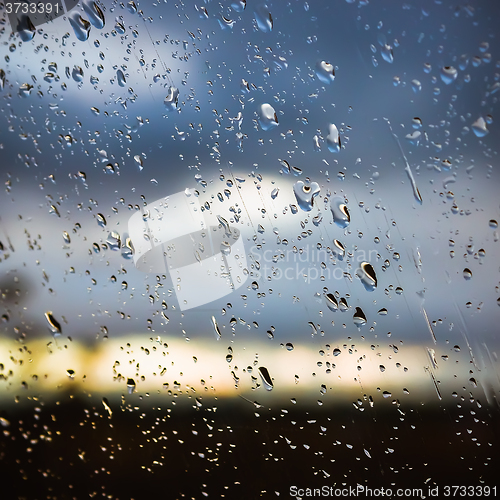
(250, 250)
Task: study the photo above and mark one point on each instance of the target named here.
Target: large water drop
(305, 193)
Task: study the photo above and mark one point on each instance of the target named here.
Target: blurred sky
(200, 139)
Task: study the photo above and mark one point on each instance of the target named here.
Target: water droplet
(479, 127)
(172, 99)
(94, 13)
(216, 328)
(289, 346)
(359, 317)
(54, 325)
(367, 275)
(416, 86)
(467, 273)
(448, 74)
(114, 240)
(493, 223)
(382, 368)
(105, 403)
(267, 117)
(333, 139)
(66, 237)
(338, 249)
(386, 394)
(266, 378)
(225, 248)
(130, 385)
(331, 302)
(340, 212)
(101, 220)
(274, 193)
(25, 90)
(132, 7)
(70, 373)
(343, 305)
(95, 110)
(121, 78)
(77, 74)
(387, 54)
(305, 193)
(263, 18)
(325, 72)
(25, 28)
(383, 311)
(81, 26)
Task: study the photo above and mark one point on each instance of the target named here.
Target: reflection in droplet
(239, 5)
(267, 117)
(359, 317)
(25, 28)
(305, 193)
(325, 72)
(101, 220)
(172, 99)
(479, 127)
(266, 378)
(130, 385)
(448, 74)
(263, 18)
(333, 139)
(54, 325)
(77, 74)
(80, 26)
(216, 328)
(416, 86)
(121, 78)
(94, 13)
(338, 249)
(331, 302)
(340, 212)
(367, 275)
(387, 54)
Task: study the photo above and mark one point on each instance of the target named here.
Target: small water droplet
(216, 328)
(130, 385)
(101, 220)
(80, 26)
(479, 127)
(289, 346)
(172, 99)
(266, 378)
(340, 212)
(331, 302)
(333, 139)
(54, 325)
(121, 78)
(448, 74)
(325, 72)
(263, 18)
(305, 193)
(467, 273)
(94, 13)
(267, 117)
(77, 74)
(359, 317)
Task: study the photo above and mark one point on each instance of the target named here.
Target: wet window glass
(248, 249)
